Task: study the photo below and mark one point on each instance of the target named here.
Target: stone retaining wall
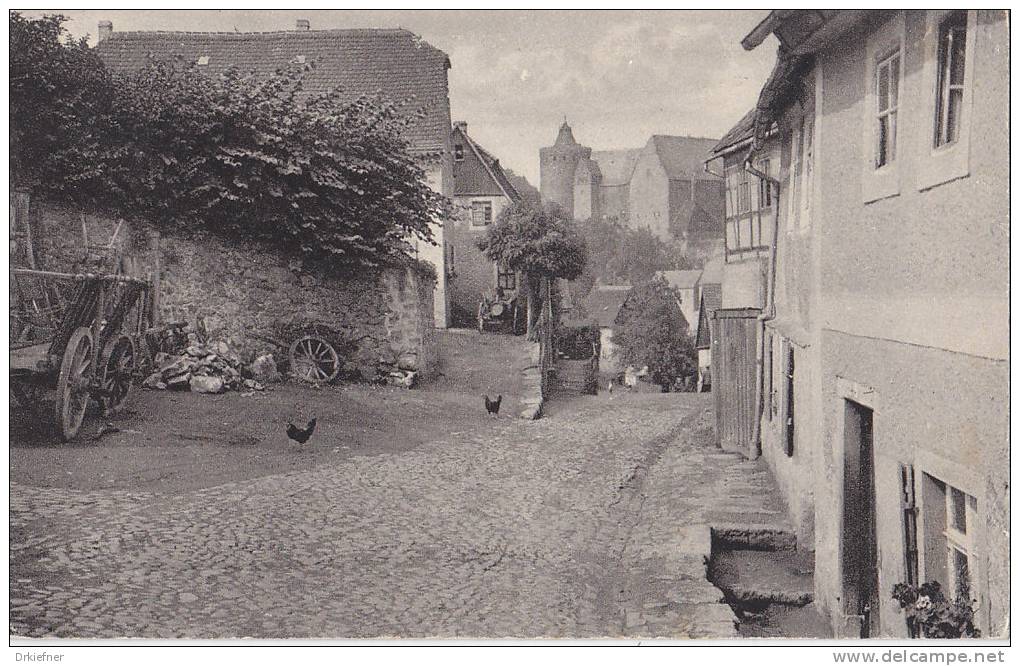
(244, 291)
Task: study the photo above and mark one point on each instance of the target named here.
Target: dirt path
(180, 441)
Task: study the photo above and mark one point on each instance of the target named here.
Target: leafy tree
(236, 155)
(539, 242)
(60, 93)
(651, 331)
(621, 255)
(256, 156)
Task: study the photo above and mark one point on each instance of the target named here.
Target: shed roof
(395, 63)
(742, 131)
(604, 302)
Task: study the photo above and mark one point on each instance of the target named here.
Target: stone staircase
(575, 376)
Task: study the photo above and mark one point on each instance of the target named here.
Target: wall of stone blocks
(245, 291)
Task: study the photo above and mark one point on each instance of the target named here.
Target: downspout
(754, 445)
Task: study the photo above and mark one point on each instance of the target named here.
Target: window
(908, 505)
(458, 152)
(744, 192)
(887, 96)
(481, 213)
(952, 60)
(764, 187)
(203, 60)
(881, 120)
(950, 522)
(506, 278)
(796, 149)
(453, 260)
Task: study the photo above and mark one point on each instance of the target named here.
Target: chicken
(492, 406)
(300, 435)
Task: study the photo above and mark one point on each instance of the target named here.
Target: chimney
(461, 125)
(303, 25)
(105, 30)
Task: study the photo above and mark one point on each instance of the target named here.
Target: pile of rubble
(203, 368)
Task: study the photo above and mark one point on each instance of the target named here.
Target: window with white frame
(481, 213)
(952, 65)
(764, 186)
(883, 119)
(951, 521)
(796, 176)
(887, 95)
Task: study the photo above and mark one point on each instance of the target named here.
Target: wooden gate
(734, 377)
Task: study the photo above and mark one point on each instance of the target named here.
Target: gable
(684, 156)
(470, 176)
(396, 64)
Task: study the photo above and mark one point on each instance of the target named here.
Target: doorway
(860, 543)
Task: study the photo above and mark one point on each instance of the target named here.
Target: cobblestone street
(589, 522)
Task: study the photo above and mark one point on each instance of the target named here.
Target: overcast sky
(618, 76)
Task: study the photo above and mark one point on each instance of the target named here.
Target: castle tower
(558, 164)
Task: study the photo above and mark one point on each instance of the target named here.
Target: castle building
(662, 187)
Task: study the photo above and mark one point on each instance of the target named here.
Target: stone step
(756, 579)
(747, 536)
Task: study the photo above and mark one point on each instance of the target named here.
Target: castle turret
(558, 165)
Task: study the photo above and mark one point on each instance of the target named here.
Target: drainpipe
(754, 445)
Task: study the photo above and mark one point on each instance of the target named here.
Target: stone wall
(244, 291)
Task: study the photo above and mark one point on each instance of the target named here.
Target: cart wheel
(76, 372)
(118, 371)
(314, 360)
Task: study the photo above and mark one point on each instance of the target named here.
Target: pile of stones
(202, 368)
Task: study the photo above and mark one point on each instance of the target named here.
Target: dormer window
(203, 60)
(458, 152)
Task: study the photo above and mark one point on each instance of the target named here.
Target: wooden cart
(68, 335)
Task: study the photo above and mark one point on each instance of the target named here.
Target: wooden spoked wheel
(118, 370)
(314, 360)
(76, 373)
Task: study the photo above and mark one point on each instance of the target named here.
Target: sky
(616, 76)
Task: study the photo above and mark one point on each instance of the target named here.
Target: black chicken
(301, 435)
(492, 406)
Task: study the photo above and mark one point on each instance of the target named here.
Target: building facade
(662, 187)
(885, 336)
(481, 190)
(394, 63)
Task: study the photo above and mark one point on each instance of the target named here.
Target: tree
(651, 331)
(60, 93)
(539, 242)
(621, 255)
(237, 155)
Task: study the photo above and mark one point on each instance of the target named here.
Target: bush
(931, 615)
(236, 155)
(651, 331)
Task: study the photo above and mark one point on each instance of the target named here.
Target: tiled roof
(683, 157)
(492, 165)
(616, 165)
(395, 63)
(604, 302)
(527, 191)
(742, 131)
(681, 279)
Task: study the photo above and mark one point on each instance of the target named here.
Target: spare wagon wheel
(118, 369)
(496, 310)
(314, 360)
(76, 373)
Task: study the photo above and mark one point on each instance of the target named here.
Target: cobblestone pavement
(590, 522)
